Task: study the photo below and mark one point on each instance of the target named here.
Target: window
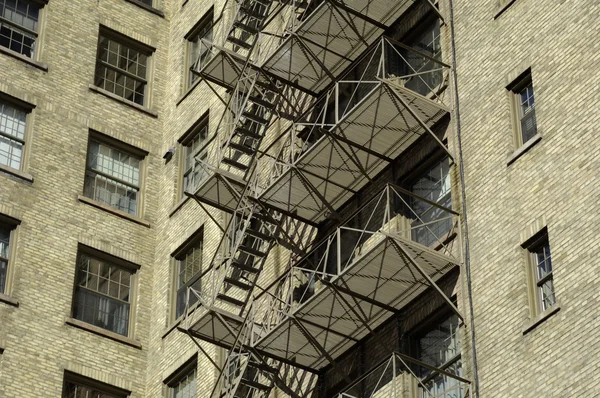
(112, 176)
(19, 21)
(432, 224)
(147, 2)
(5, 232)
(12, 134)
(542, 294)
(193, 142)
(103, 292)
(183, 383)
(76, 386)
(198, 50)
(523, 109)
(440, 348)
(188, 265)
(122, 67)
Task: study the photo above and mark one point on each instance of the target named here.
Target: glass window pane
(20, 37)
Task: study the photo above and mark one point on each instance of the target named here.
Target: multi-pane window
(19, 20)
(542, 280)
(5, 232)
(188, 261)
(425, 74)
(431, 223)
(12, 134)
(76, 386)
(147, 2)
(185, 385)
(523, 108)
(102, 293)
(193, 145)
(112, 176)
(440, 348)
(122, 67)
(198, 47)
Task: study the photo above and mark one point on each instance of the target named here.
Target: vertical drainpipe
(467, 258)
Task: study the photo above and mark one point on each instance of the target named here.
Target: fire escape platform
(222, 189)
(214, 325)
(379, 282)
(223, 68)
(330, 39)
(366, 139)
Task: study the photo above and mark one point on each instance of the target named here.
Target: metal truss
(281, 60)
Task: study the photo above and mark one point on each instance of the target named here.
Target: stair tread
(235, 164)
(252, 251)
(262, 102)
(242, 148)
(247, 133)
(238, 283)
(245, 27)
(230, 300)
(239, 42)
(254, 117)
(255, 384)
(258, 234)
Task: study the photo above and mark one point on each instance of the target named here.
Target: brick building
(298, 198)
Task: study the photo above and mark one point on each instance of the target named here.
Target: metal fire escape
(347, 101)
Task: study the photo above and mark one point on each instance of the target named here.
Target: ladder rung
(255, 118)
(239, 42)
(242, 148)
(231, 300)
(238, 283)
(235, 164)
(252, 251)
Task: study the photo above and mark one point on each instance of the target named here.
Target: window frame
(523, 81)
(132, 151)
(104, 388)
(534, 281)
(207, 21)
(181, 251)
(27, 108)
(202, 124)
(36, 49)
(132, 44)
(117, 262)
(12, 225)
(191, 365)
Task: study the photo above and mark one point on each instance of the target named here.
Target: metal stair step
(230, 300)
(244, 267)
(247, 133)
(242, 148)
(259, 235)
(238, 283)
(239, 42)
(261, 102)
(255, 118)
(252, 251)
(245, 27)
(248, 11)
(267, 85)
(255, 384)
(235, 164)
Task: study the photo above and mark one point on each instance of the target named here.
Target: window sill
(21, 57)
(179, 205)
(115, 97)
(187, 92)
(500, 10)
(147, 8)
(8, 300)
(16, 173)
(103, 332)
(524, 149)
(541, 318)
(116, 212)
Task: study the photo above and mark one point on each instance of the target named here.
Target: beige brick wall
(38, 345)
(555, 179)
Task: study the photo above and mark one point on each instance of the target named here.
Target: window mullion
(122, 71)
(12, 137)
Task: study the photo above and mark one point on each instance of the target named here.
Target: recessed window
(122, 67)
(193, 144)
(440, 347)
(103, 292)
(19, 23)
(183, 383)
(540, 272)
(523, 109)
(147, 2)
(112, 175)
(432, 224)
(13, 121)
(5, 233)
(188, 267)
(76, 386)
(198, 47)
